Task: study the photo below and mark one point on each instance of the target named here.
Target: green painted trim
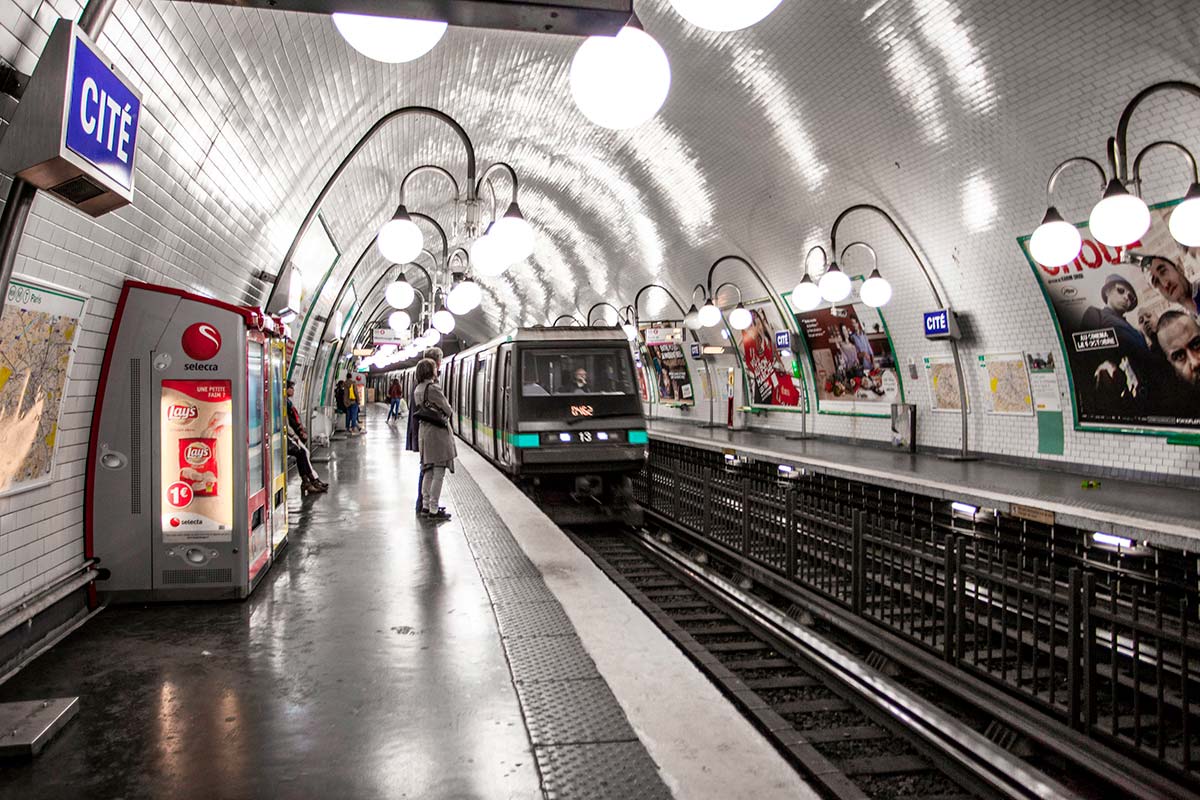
(312, 306)
(812, 364)
(1023, 244)
(638, 437)
(46, 290)
(1185, 439)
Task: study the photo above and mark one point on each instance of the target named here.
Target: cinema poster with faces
(1129, 323)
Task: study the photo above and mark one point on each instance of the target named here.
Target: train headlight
(564, 437)
(602, 436)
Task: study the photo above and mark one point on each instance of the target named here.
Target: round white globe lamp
(399, 321)
(709, 315)
(400, 240)
(724, 15)
(443, 321)
(740, 318)
(513, 235)
(875, 291)
(391, 40)
(620, 81)
(464, 297)
(1185, 219)
(1120, 218)
(834, 284)
(399, 294)
(807, 295)
(486, 256)
(1055, 242)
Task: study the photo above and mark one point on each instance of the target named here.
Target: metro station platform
(1160, 515)
(386, 658)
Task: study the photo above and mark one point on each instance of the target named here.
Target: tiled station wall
(223, 182)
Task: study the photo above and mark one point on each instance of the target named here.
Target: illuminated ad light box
(1127, 320)
(197, 461)
(773, 378)
(75, 131)
(668, 366)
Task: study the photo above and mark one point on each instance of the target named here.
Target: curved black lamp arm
(703, 291)
(638, 297)
(438, 228)
(616, 310)
(561, 317)
(499, 165)
(717, 291)
(871, 250)
(788, 320)
(1137, 162)
(415, 171)
(459, 250)
(925, 269)
(1062, 167)
(358, 146)
(1120, 153)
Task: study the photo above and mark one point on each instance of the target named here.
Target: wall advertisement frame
(1113, 308)
(853, 359)
(669, 365)
(39, 335)
(769, 371)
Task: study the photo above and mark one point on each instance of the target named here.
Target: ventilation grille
(78, 190)
(135, 435)
(176, 577)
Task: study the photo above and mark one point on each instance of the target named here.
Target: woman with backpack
(436, 441)
(352, 404)
(395, 400)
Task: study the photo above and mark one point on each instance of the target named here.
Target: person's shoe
(441, 515)
(322, 485)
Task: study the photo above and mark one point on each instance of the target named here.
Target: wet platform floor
(366, 664)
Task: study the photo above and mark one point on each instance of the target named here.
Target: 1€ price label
(179, 495)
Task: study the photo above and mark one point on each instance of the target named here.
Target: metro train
(557, 409)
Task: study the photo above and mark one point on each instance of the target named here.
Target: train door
(464, 398)
(478, 431)
(506, 422)
(489, 406)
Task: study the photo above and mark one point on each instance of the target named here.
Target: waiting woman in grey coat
(436, 440)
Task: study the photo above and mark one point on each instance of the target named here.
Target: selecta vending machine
(187, 462)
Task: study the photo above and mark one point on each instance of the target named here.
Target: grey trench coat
(437, 444)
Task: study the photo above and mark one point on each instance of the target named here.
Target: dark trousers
(420, 480)
(303, 464)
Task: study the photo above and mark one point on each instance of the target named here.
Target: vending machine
(187, 464)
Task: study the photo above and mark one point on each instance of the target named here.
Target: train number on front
(581, 411)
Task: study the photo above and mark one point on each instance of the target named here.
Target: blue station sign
(783, 340)
(102, 116)
(695, 349)
(941, 324)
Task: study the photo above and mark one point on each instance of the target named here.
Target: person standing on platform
(411, 439)
(436, 439)
(297, 441)
(395, 400)
(339, 400)
(352, 404)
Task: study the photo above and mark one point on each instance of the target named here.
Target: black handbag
(427, 413)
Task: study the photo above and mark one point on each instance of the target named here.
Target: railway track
(856, 726)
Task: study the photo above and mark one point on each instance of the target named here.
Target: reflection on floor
(367, 664)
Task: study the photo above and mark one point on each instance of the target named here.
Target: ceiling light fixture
(740, 318)
(834, 284)
(513, 235)
(399, 293)
(442, 321)
(875, 291)
(620, 81)
(399, 321)
(724, 15)
(392, 40)
(400, 240)
(464, 296)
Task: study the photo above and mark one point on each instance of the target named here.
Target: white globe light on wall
(834, 284)
(513, 236)
(1185, 219)
(486, 257)
(740, 318)
(691, 320)
(1120, 218)
(631, 331)
(399, 321)
(875, 291)
(443, 321)
(400, 239)
(620, 81)
(399, 294)
(431, 336)
(709, 315)
(391, 40)
(464, 297)
(1055, 242)
(807, 295)
(724, 15)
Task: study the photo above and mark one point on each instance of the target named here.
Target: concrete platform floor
(367, 664)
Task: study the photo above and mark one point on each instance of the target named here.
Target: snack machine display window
(278, 404)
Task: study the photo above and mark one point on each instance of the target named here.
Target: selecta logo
(180, 412)
(201, 341)
(174, 522)
(197, 453)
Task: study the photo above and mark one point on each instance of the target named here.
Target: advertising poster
(1006, 384)
(1129, 325)
(668, 366)
(640, 369)
(1043, 380)
(852, 359)
(943, 385)
(773, 380)
(197, 461)
(38, 330)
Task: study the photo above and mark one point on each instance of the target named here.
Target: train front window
(576, 371)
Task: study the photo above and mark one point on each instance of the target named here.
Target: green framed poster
(1128, 324)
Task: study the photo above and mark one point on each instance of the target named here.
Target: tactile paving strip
(584, 745)
(609, 771)
(552, 712)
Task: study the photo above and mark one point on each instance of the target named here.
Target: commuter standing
(297, 441)
(412, 438)
(352, 404)
(395, 400)
(339, 399)
(435, 438)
